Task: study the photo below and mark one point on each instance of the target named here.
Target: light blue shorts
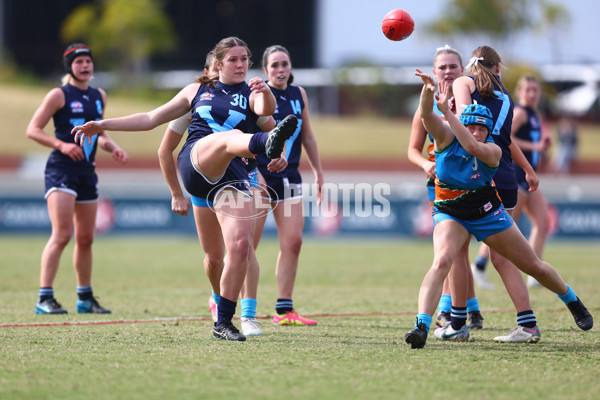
(496, 222)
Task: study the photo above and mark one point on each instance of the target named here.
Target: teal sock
(472, 305)
(424, 319)
(216, 297)
(248, 308)
(569, 296)
(445, 304)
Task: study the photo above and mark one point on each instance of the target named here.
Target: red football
(397, 25)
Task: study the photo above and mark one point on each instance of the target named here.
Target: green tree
(498, 19)
(556, 21)
(123, 33)
(501, 20)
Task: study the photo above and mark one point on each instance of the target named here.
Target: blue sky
(351, 29)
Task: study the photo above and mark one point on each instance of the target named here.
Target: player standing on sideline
(447, 66)
(207, 224)
(528, 135)
(210, 164)
(285, 186)
(467, 203)
(70, 176)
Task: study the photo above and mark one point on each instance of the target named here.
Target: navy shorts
(521, 181)
(196, 184)
(284, 188)
(508, 197)
(81, 184)
(252, 177)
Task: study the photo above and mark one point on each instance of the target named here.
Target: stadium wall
(387, 217)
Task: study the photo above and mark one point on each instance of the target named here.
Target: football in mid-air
(397, 25)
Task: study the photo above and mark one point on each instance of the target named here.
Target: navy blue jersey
(80, 107)
(501, 108)
(531, 131)
(216, 109)
(289, 101)
(219, 109)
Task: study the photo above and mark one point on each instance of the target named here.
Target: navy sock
(284, 305)
(526, 319)
(458, 317)
(258, 142)
(480, 263)
(84, 292)
(45, 293)
(225, 310)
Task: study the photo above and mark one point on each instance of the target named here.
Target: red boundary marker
(184, 319)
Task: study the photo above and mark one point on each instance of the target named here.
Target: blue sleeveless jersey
(501, 108)
(463, 185)
(289, 101)
(531, 131)
(219, 109)
(80, 107)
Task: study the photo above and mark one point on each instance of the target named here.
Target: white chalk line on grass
(202, 319)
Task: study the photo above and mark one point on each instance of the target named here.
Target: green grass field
(356, 353)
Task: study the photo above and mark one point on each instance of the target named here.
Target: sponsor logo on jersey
(76, 106)
(206, 96)
(476, 176)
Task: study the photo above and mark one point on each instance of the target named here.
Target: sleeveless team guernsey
(501, 108)
(289, 101)
(219, 109)
(80, 107)
(531, 132)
